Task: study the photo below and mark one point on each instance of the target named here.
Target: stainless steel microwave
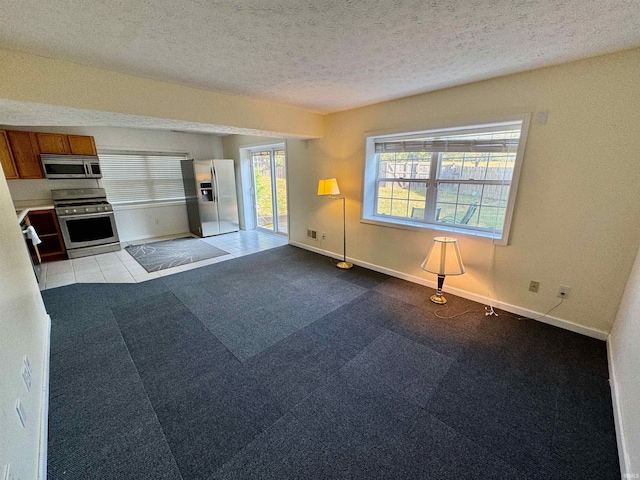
(70, 166)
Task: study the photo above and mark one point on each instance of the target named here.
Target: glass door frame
(272, 149)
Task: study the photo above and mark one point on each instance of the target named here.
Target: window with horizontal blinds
(460, 179)
(142, 177)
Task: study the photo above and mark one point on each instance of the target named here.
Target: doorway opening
(270, 188)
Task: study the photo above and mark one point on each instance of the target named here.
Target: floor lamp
(329, 186)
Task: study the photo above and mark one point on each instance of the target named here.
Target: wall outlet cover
(542, 116)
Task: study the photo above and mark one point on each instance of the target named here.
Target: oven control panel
(83, 209)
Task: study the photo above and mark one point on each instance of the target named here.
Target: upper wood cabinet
(24, 146)
(82, 145)
(6, 157)
(56, 143)
(20, 151)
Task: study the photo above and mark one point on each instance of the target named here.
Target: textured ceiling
(326, 55)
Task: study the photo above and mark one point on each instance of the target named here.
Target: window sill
(418, 227)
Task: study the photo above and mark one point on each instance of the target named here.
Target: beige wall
(624, 360)
(29, 78)
(23, 331)
(578, 208)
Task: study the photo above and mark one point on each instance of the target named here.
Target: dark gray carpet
(279, 365)
(172, 253)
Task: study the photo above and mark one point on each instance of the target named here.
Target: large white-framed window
(460, 179)
(132, 178)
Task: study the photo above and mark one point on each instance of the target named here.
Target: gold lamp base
(344, 265)
(438, 298)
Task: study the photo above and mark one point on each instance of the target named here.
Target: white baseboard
(44, 425)
(524, 312)
(617, 412)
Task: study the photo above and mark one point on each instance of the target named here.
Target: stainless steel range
(86, 220)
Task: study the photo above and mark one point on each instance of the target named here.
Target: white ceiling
(323, 55)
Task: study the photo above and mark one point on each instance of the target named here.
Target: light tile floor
(120, 267)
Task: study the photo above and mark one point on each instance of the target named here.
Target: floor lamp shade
(329, 186)
(443, 259)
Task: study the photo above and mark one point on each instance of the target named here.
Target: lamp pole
(344, 264)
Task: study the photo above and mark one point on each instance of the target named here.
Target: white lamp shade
(328, 186)
(444, 257)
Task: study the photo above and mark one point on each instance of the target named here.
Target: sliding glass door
(270, 187)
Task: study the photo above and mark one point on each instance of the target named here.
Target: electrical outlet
(564, 291)
(534, 286)
(324, 235)
(542, 116)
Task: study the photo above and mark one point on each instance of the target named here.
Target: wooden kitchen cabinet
(48, 229)
(82, 145)
(56, 143)
(60, 144)
(20, 151)
(24, 146)
(6, 157)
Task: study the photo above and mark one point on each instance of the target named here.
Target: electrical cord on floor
(444, 307)
(541, 316)
(489, 311)
(324, 252)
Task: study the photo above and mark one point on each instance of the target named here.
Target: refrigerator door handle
(215, 179)
(214, 185)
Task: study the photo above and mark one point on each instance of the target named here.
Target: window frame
(371, 180)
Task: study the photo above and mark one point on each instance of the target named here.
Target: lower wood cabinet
(46, 224)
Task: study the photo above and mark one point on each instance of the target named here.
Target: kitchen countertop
(23, 208)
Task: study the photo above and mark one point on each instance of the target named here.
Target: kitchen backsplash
(29, 190)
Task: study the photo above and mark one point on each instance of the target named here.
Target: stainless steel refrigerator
(212, 204)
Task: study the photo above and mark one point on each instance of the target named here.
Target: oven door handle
(85, 215)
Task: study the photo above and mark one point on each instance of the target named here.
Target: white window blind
(452, 145)
(142, 177)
